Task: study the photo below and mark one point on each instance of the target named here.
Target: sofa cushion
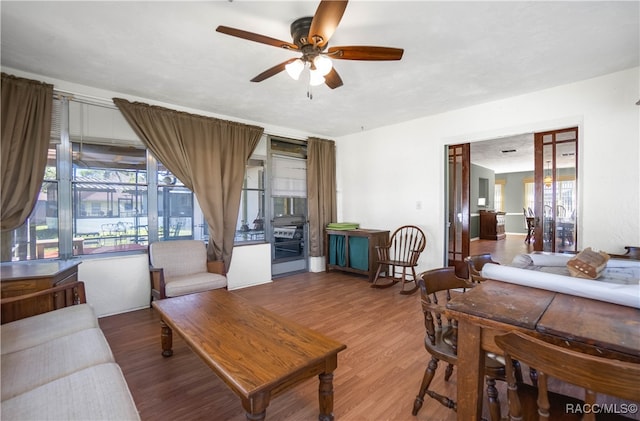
(42, 328)
(179, 257)
(95, 393)
(32, 367)
(198, 282)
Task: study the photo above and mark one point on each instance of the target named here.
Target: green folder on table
(343, 226)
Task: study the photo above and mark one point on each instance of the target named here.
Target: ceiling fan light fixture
(323, 64)
(315, 77)
(295, 68)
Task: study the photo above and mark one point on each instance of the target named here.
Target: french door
(556, 189)
(554, 195)
(458, 206)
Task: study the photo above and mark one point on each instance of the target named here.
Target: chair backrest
(431, 283)
(178, 257)
(476, 263)
(406, 244)
(594, 374)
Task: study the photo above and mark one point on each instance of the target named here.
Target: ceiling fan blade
(256, 37)
(272, 71)
(325, 21)
(332, 79)
(363, 52)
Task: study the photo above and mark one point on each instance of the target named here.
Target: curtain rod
(108, 103)
(85, 99)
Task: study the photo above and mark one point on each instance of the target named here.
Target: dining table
(494, 308)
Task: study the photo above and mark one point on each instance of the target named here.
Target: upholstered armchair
(180, 267)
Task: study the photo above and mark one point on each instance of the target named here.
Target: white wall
(395, 175)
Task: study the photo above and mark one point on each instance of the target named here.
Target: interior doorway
(515, 167)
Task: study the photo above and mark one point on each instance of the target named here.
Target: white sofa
(58, 365)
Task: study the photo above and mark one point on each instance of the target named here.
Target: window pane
(50, 172)
(37, 238)
(497, 197)
(175, 213)
(118, 164)
(250, 224)
(251, 217)
(179, 214)
(109, 199)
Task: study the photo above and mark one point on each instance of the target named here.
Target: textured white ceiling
(457, 54)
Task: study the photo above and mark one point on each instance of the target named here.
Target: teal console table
(354, 250)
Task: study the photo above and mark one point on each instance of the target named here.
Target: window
(498, 195)
(109, 197)
(179, 216)
(97, 190)
(529, 194)
(250, 225)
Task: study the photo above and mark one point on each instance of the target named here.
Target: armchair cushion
(196, 282)
(184, 269)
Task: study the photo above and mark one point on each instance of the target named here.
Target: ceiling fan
(311, 37)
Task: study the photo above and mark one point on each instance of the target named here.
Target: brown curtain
(207, 154)
(321, 191)
(26, 129)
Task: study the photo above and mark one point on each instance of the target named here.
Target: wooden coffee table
(257, 353)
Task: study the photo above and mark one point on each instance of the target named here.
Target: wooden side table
(19, 278)
(359, 253)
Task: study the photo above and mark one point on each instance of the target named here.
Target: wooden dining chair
(633, 253)
(593, 373)
(401, 253)
(529, 224)
(441, 339)
(476, 263)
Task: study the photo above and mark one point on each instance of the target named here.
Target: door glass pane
(456, 248)
(289, 201)
(559, 152)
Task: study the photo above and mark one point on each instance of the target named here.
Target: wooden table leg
(256, 406)
(256, 417)
(470, 362)
(166, 337)
(325, 395)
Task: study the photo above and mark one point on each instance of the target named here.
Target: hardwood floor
(377, 378)
(502, 251)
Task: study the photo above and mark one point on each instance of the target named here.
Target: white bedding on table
(619, 282)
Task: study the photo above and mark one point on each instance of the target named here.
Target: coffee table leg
(166, 337)
(256, 417)
(325, 395)
(256, 406)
